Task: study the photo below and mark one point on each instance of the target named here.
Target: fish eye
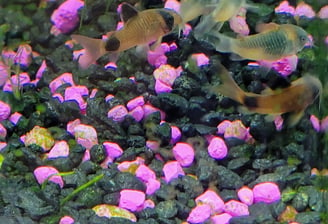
(303, 39)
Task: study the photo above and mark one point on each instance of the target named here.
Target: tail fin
(94, 49)
(206, 24)
(229, 87)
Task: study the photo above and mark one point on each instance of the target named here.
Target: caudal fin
(229, 87)
(94, 49)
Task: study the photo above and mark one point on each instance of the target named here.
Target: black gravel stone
(261, 212)
(173, 104)
(262, 164)
(166, 209)
(308, 218)
(261, 130)
(97, 153)
(242, 220)
(228, 179)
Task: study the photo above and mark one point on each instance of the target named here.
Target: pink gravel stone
(14, 118)
(109, 97)
(113, 150)
(132, 199)
(137, 113)
(161, 87)
(315, 122)
(65, 18)
(144, 173)
(126, 165)
(284, 7)
(324, 124)
(238, 25)
(135, 102)
(266, 192)
(172, 4)
(175, 134)
(117, 113)
(149, 204)
(23, 55)
(236, 208)
(304, 9)
(153, 145)
(278, 122)
(3, 73)
(149, 109)
(3, 131)
(222, 218)
(43, 172)
(13, 83)
(2, 145)
(60, 80)
(60, 149)
(167, 74)
(284, 66)
(71, 125)
(157, 56)
(172, 170)
(41, 69)
(4, 110)
(86, 135)
(223, 126)
(66, 220)
(217, 148)
(323, 13)
(183, 153)
(73, 93)
(201, 59)
(93, 93)
(152, 186)
(245, 195)
(236, 130)
(58, 96)
(213, 199)
(199, 214)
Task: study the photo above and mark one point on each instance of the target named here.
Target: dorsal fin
(127, 12)
(265, 27)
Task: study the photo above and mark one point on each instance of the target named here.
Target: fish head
(301, 38)
(171, 19)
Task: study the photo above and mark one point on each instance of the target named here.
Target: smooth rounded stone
(227, 195)
(183, 209)
(277, 208)
(308, 218)
(262, 164)
(173, 104)
(206, 169)
(259, 150)
(75, 179)
(147, 221)
(167, 221)
(261, 130)
(191, 186)
(185, 86)
(88, 167)
(238, 163)
(166, 192)
(112, 198)
(316, 197)
(205, 130)
(261, 212)
(91, 196)
(213, 118)
(240, 151)
(136, 141)
(249, 176)
(131, 153)
(293, 150)
(285, 170)
(33, 203)
(269, 177)
(147, 213)
(188, 130)
(228, 179)
(163, 132)
(195, 112)
(298, 179)
(232, 142)
(300, 201)
(97, 153)
(16, 219)
(166, 209)
(242, 220)
(135, 129)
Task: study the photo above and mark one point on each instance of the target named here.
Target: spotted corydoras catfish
(293, 99)
(139, 28)
(272, 43)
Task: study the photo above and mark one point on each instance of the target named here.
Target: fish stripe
(250, 101)
(168, 18)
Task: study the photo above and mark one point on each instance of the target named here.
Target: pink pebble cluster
(165, 76)
(319, 125)
(284, 66)
(238, 23)
(157, 56)
(65, 18)
(210, 206)
(43, 173)
(234, 129)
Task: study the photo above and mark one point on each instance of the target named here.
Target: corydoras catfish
(272, 43)
(140, 28)
(293, 99)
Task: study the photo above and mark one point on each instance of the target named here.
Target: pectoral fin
(128, 12)
(154, 45)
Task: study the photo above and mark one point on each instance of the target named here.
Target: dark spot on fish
(250, 101)
(112, 44)
(127, 12)
(168, 18)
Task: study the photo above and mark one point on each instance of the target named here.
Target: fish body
(139, 28)
(293, 99)
(275, 43)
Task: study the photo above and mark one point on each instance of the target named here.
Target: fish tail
(221, 42)
(206, 24)
(94, 49)
(229, 87)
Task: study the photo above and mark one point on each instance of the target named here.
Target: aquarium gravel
(139, 137)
